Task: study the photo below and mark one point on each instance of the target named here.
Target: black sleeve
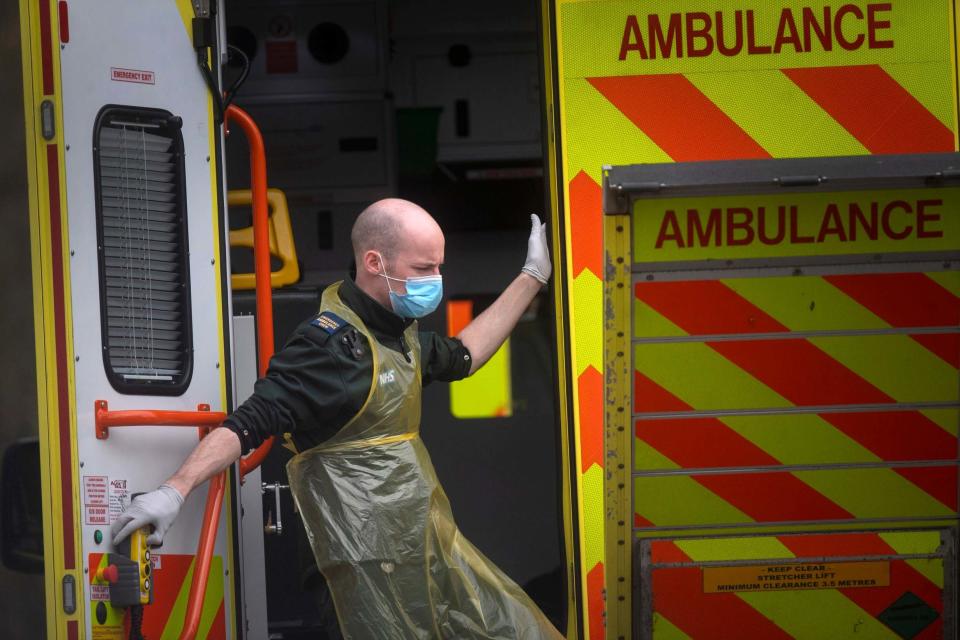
(442, 358)
(303, 388)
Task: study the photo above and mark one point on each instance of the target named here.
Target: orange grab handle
(261, 266)
(261, 260)
(201, 569)
(104, 419)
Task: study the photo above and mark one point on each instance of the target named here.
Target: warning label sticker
(96, 514)
(107, 633)
(99, 592)
(792, 577)
(118, 497)
(95, 490)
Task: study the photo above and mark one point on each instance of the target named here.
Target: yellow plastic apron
(381, 528)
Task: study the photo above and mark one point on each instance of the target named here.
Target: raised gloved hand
(159, 508)
(538, 254)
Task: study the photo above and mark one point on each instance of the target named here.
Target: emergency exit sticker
(793, 577)
(140, 76)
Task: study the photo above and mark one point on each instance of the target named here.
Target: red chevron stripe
(800, 372)
(874, 108)
(648, 396)
(595, 611)
(708, 442)
(678, 596)
(590, 395)
(836, 545)
(902, 299)
(940, 482)
(219, 627)
(707, 307)
(678, 117)
(640, 521)
(946, 345)
(586, 224)
(893, 435)
(909, 300)
(662, 551)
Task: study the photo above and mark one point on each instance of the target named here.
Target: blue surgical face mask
(422, 297)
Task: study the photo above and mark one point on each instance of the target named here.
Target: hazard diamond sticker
(908, 616)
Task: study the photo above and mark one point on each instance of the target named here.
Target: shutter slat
(131, 253)
(142, 304)
(154, 215)
(130, 185)
(167, 345)
(124, 333)
(143, 324)
(146, 196)
(140, 244)
(125, 173)
(134, 138)
(110, 153)
(120, 232)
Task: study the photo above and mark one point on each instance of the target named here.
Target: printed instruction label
(107, 632)
(118, 497)
(99, 592)
(96, 514)
(95, 490)
(792, 577)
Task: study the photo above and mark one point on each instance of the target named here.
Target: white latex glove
(538, 254)
(159, 508)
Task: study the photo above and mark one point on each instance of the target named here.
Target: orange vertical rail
(261, 260)
(261, 266)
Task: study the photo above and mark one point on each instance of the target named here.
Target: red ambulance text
(741, 226)
(699, 34)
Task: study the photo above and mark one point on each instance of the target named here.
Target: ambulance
(734, 412)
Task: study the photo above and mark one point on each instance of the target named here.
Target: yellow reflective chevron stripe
(794, 614)
(773, 110)
(663, 629)
(601, 133)
(719, 384)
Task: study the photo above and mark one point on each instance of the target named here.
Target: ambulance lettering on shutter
(731, 227)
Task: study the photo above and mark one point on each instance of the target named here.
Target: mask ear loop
(383, 265)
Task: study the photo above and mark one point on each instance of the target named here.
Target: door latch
(275, 528)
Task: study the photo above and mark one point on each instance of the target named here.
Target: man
(346, 391)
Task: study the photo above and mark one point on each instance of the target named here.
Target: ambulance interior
(436, 102)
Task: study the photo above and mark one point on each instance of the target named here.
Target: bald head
(403, 234)
(384, 225)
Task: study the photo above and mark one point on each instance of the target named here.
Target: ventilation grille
(144, 279)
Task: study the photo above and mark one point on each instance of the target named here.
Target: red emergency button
(108, 573)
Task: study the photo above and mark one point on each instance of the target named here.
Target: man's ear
(371, 262)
